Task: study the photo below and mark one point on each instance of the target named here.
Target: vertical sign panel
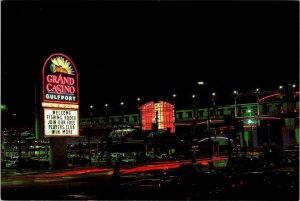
(60, 97)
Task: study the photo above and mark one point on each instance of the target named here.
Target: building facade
(270, 120)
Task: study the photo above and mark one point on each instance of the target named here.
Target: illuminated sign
(162, 112)
(61, 122)
(58, 105)
(60, 97)
(60, 80)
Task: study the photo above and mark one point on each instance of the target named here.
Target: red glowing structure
(160, 111)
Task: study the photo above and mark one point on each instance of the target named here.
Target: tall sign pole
(60, 103)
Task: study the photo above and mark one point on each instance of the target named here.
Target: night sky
(125, 50)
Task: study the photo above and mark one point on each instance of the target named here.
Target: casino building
(270, 119)
(273, 119)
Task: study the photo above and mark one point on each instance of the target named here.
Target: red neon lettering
(60, 89)
(60, 80)
(49, 86)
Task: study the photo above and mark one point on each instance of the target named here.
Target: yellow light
(60, 105)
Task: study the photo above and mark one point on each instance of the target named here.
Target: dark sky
(123, 50)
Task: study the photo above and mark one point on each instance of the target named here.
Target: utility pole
(205, 84)
(194, 114)
(139, 115)
(155, 130)
(89, 132)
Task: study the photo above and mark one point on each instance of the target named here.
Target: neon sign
(60, 80)
(60, 97)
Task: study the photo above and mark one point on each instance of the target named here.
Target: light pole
(194, 114)
(174, 103)
(202, 83)
(90, 132)
(235, 93)
(139, 115)
(280, 87)
(213, 98)
(257, 101)
(122, 112)
(106, 112)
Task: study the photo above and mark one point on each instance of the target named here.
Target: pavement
(218, 162)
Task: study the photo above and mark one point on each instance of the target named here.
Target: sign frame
(44, 80)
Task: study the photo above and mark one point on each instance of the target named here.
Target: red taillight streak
(145, 168)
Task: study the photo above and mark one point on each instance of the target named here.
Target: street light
(106, 112)
(89, 132)
(205, 84)
(257, 100)
(174, 102)
(194, 114)
(201, 82)
(122, 112)
(139, 115)
(213, 96)
(174, 99)
(235, 93)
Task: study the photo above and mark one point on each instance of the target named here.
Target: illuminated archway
(160, 111)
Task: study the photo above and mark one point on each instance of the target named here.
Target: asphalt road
(137, 182)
